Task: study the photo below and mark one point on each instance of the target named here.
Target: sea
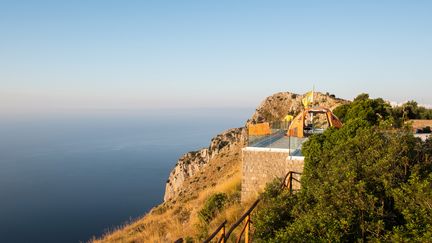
(70, 176)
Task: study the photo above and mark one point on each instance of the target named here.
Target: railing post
(221, 228)
(247, 229)
(290, 181)
(289, 145)
(223, 234)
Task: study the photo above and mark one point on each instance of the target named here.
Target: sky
(105, 54)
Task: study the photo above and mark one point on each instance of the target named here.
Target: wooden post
(247, 229)
(223, 234)
(290, 182)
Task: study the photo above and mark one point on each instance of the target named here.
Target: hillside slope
(200, 174)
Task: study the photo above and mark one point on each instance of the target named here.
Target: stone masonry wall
(261, 165)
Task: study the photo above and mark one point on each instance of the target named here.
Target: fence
(286, 183)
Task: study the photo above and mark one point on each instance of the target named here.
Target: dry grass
(229, 186)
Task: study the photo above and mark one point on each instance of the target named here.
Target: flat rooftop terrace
(278, 140)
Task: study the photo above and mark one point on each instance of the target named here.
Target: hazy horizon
(29, 111)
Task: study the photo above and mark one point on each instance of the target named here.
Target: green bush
(369, 110)
(274, 211)
(213, 204)
(413, 200)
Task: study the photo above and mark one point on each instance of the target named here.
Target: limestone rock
(192, 162)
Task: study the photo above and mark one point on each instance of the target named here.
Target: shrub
(274, 211)
(213, 204)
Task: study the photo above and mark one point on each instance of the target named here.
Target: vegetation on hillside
(368, 181)
(411, 110)
(373, 110)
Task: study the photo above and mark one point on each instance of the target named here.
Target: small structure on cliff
(313, 120)
(267, 157)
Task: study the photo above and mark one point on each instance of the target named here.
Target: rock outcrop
(193, 162)
(277, 106)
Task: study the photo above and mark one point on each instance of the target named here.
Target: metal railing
(277, 130)
(290, 178)
(247, 215)
(277, 138)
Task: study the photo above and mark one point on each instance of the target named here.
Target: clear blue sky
(136, 54)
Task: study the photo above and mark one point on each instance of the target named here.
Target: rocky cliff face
(273, 108)
(193, 162)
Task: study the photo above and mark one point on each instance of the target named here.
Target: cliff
(193, 162)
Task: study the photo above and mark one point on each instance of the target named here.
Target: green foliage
(341, 111)
(411, 110)
(363, 182)
(275, 209)
(370, 110)
(212, 205)
(350, 175)
(377, 111)
(414, 200)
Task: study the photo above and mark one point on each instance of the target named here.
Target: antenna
(313, 93)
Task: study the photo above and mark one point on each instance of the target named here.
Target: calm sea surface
(66, 177)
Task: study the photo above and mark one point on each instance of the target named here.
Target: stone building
(264, 161)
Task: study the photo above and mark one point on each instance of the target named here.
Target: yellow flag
(288, 118)
(308, 99)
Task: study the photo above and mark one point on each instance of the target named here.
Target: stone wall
(261, 165)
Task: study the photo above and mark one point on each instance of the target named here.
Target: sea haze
(65, 177)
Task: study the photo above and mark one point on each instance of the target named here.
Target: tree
(411, 110)
(414, 201)
(370, 110)
(354, 183)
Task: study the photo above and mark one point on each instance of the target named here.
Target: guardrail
(246, 228)
(247, 215)
(290, 178)
(266, 134)
(220, 229)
